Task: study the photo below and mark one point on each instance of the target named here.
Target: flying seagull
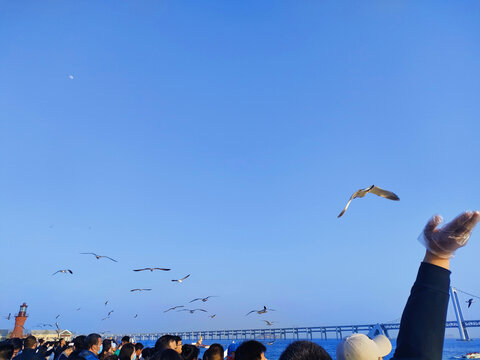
(9, 316)
(63, 271)
(193, 310)
(203, 299)
(140, 289)
(271, 342)
(106, 302)
(213, 316)
(180, 280)
(44, 325)
(173, 308)
(99, 256)
(262, 311)
(56, 317)
(105, 318)
(58, 326)
(70, 77)
(110, 313)
(136, 315)
(152, 269)
(78, 309)
(470, 302)
(372, 189)
(269, 323)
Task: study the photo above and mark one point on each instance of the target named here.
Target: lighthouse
(19, 322)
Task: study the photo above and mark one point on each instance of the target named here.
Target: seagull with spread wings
(173, 308)
(205, 299)
(372, 189)
(152, 269)
(269, 323)
(99, 256)
(181, 280)
(65, 271)
(262, 311)
(140, 290)
(192, 310)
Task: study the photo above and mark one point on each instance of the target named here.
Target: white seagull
(372, 189)
(173, 308)
(70, 77)
(262, 311)
(269, 323)
(99, 256)
(63, 271)
(203, 299)
(180, 280)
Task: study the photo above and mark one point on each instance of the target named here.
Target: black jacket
(422, 328)
(29, 354)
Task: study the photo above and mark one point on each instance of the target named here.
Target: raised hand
(444, 241)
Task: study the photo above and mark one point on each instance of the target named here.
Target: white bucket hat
(361, 347)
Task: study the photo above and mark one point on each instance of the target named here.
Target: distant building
(3, 334)
(52, 335)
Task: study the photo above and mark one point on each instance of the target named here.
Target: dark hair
(147, 353)
(138, 346)
(250, 350)
(91, 340)
(304, 350)
(190, 352)
(30, 342)
(112, 357)
(107, 345)
(177, 338)
(41, 341)
(163, 341)
(17, 343)
(126, 351)
(126, 339)
(79, 342)
(212, 351)
(6, 350)
(169, 354)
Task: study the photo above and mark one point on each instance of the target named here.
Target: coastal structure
(20, 322)
(52, 335)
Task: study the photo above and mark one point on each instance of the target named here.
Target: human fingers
(457, 225)
(432, 224)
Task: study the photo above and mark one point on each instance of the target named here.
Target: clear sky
(221, 139)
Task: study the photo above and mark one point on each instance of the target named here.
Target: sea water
(452, 348)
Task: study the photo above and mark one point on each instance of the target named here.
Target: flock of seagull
(181, 308)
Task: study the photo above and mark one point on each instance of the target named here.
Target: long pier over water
(316, 332)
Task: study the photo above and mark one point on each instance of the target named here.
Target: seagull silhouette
(192, 310)
(152, 269)
(181, 280)
(262, 311)
(78, 309)
(470, 302)
(136, 315)
(213, 316)
(269, 323)
(372, 189)
(65, 271)
(106, 302)
(173, 308)
(203, 299)
(99, 256)
(105, 318)
(111, 311)
(56, 317)
(140, 290)
(9, 316)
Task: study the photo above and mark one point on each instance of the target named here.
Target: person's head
(127, 352)
(304, 350)
(61, 342)
(106, 348)
(165, 342)
(125, 339)
(79, 343)
(30, 342)
(17, 345)
(68, 350)
(6, 350)
(138, 349)
(93, 343)
(361, 347)
(147, 353)
(169, 354)
(214, 352)
(41, 342)
(178, 342)
(190, 352)
(111, 357)
(250, 350)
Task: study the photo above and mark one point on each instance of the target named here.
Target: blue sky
(222, 139)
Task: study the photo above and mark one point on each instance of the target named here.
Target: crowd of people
(421, 335)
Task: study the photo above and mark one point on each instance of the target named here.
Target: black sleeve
(422, 328)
